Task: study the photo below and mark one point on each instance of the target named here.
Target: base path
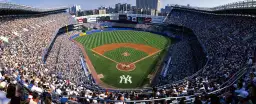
(141, 47)
(145, 57)
(104, 56)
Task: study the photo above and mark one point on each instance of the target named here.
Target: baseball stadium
(181, 54)
(124, 53)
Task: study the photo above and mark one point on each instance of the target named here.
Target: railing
(235, 5)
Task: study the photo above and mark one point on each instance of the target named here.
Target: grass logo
(126, 79)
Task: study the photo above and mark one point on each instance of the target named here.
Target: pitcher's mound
(124, 66)
(126, 54)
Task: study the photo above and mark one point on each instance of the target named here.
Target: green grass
(116, 54)
(108, 68)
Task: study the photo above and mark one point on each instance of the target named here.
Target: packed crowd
(62, 78)
(21, 55)
(181, 59)
(223, 37)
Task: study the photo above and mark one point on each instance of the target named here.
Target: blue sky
(93, 4)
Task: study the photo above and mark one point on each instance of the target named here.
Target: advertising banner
(80, 20)
(148, 20)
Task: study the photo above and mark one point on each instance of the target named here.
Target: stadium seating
(228, 42)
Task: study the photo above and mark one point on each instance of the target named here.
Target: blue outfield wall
(96, 31)
(73, 36)
(165, 33)
(106, 29)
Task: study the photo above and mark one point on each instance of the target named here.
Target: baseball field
(123, 58)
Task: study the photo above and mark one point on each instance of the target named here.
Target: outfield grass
(108, 68)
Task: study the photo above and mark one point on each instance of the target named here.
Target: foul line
(130, 63)
(145, 57)
(104, 56)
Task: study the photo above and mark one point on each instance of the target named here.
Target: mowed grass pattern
(139, 37)
(108, 68)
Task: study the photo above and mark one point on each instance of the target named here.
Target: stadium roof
(248, 4)
(11, 6)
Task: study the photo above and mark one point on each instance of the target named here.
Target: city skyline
(148, 4)
(94, 4)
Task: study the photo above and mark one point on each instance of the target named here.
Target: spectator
(120, 99)
(48, 100)
(197, 100)
(13, 94)
(35, 99)
(64, 98)
(243, 98)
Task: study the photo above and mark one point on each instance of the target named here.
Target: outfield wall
(115, 16)
(96, 31)
(165, 33)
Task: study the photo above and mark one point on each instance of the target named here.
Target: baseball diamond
(119, 53)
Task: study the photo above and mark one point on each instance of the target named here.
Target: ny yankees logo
(126, 79)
